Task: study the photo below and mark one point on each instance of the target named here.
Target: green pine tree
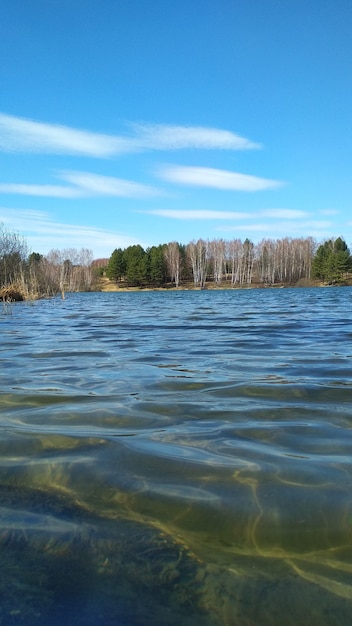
(332, 260)
(117, 265)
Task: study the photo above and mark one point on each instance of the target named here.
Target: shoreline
(105, 286)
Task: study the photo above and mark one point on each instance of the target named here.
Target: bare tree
(284, 260)
(173, 261)
(266, 260)
(234, 255)
(217, 250)
(248, 258)
(13, 254)
(68, 269)
(197, 253)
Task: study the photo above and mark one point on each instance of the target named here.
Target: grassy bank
(103, 284)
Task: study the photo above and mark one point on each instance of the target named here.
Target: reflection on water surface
(177, 456)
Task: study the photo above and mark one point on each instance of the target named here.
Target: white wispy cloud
(215, 178)
(284, 214)
(314, 224)
(83, 184)
(329, 212)
(49, 191)
(297, 228)
(198, 214)
(257, 227)
(173, 137)
(98, 185)
(44, 233)
(24, 135)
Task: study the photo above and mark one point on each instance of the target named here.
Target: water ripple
(220, 420)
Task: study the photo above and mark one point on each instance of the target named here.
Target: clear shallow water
(177, 456)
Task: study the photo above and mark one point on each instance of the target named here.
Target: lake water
(181, 457)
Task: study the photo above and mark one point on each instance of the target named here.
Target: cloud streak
(215, 178)
(329, 212)
(198, 214)
(49, 191)
(43, 233)
(172, 137)
(284, 214)
(314, 228)
(27, 136)
(85, 184)
(98, 185)
(22, 135)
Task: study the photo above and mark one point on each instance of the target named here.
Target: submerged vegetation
(30, 275)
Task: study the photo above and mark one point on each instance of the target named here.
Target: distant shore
(13, 293)
(106, 285)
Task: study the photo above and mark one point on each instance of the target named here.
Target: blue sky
(149, 121)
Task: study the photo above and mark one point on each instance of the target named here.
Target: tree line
(30, 275)
(25, 274)
(269, 262)
(332, 260)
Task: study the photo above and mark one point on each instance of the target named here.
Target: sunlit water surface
(181, 457)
